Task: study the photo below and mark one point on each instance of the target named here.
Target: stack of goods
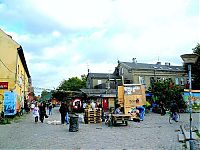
(121, 95)
(93, 115)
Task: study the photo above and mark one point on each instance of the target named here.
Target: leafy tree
(196, 69)
(70, 88)
(72, 84)
(45, 95)
(166, 92)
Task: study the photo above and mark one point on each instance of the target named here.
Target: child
(36, 112)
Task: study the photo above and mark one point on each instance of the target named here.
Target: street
(154, 133)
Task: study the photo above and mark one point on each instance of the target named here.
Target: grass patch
(5, 121)
(10, 119)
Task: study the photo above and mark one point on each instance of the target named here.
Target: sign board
(3, 85)
(132, 90)
(9, 103)
(131, 93)
(195, 98)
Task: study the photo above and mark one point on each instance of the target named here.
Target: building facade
(104, 85)
(142, 73)
(14, 73)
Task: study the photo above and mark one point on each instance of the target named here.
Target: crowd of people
(39, 110)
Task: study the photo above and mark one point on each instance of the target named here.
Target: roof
(100, 92)
(21, 55)
(158, 66)
(102, 75)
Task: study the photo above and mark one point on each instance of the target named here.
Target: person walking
(36, 112)
(50, 108)
(67, 113)
(42, 112)
(63, 112)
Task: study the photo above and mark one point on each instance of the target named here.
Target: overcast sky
(64, 38)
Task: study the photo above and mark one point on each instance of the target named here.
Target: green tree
(45, 96)
(44, 93)
(72, 84)
(69, 88)
(166, 92)
(196, 70)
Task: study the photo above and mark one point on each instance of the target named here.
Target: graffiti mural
(9, 103)
(195, 98)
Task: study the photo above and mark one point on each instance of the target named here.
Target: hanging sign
(3, 85)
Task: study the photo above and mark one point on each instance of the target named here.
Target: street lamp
(190, 59)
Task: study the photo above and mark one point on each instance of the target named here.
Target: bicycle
(21, 112)
(172, 117)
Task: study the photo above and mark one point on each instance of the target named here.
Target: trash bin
(73, 123)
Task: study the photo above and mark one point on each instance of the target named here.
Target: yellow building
(14, 74)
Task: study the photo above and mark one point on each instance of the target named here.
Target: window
(99, 82)
(151, 80)
(182, 81)
(176, 81)
(121, 71)
(141, 80)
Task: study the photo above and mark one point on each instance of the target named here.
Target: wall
(8, 51)
(159, 74)
(12, 70)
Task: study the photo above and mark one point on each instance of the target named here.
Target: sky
(64, 38)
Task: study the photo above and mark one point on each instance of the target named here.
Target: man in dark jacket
(42, 112)
(63, 111)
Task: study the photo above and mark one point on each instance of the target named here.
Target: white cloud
(19, 37)
(56, 33)
(75, 14)
(71, 33)
(54, 52)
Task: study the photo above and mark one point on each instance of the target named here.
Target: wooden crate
(93, 121)
(93, 116)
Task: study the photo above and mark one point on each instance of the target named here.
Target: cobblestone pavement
(154, 133)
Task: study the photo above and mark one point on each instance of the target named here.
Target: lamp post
(190, 59)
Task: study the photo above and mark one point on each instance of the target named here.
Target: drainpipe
(16, 68)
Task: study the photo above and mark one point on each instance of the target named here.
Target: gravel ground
(154, 133)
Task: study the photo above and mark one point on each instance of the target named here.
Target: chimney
(167, 64)
(158, 63)
(134, 60)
